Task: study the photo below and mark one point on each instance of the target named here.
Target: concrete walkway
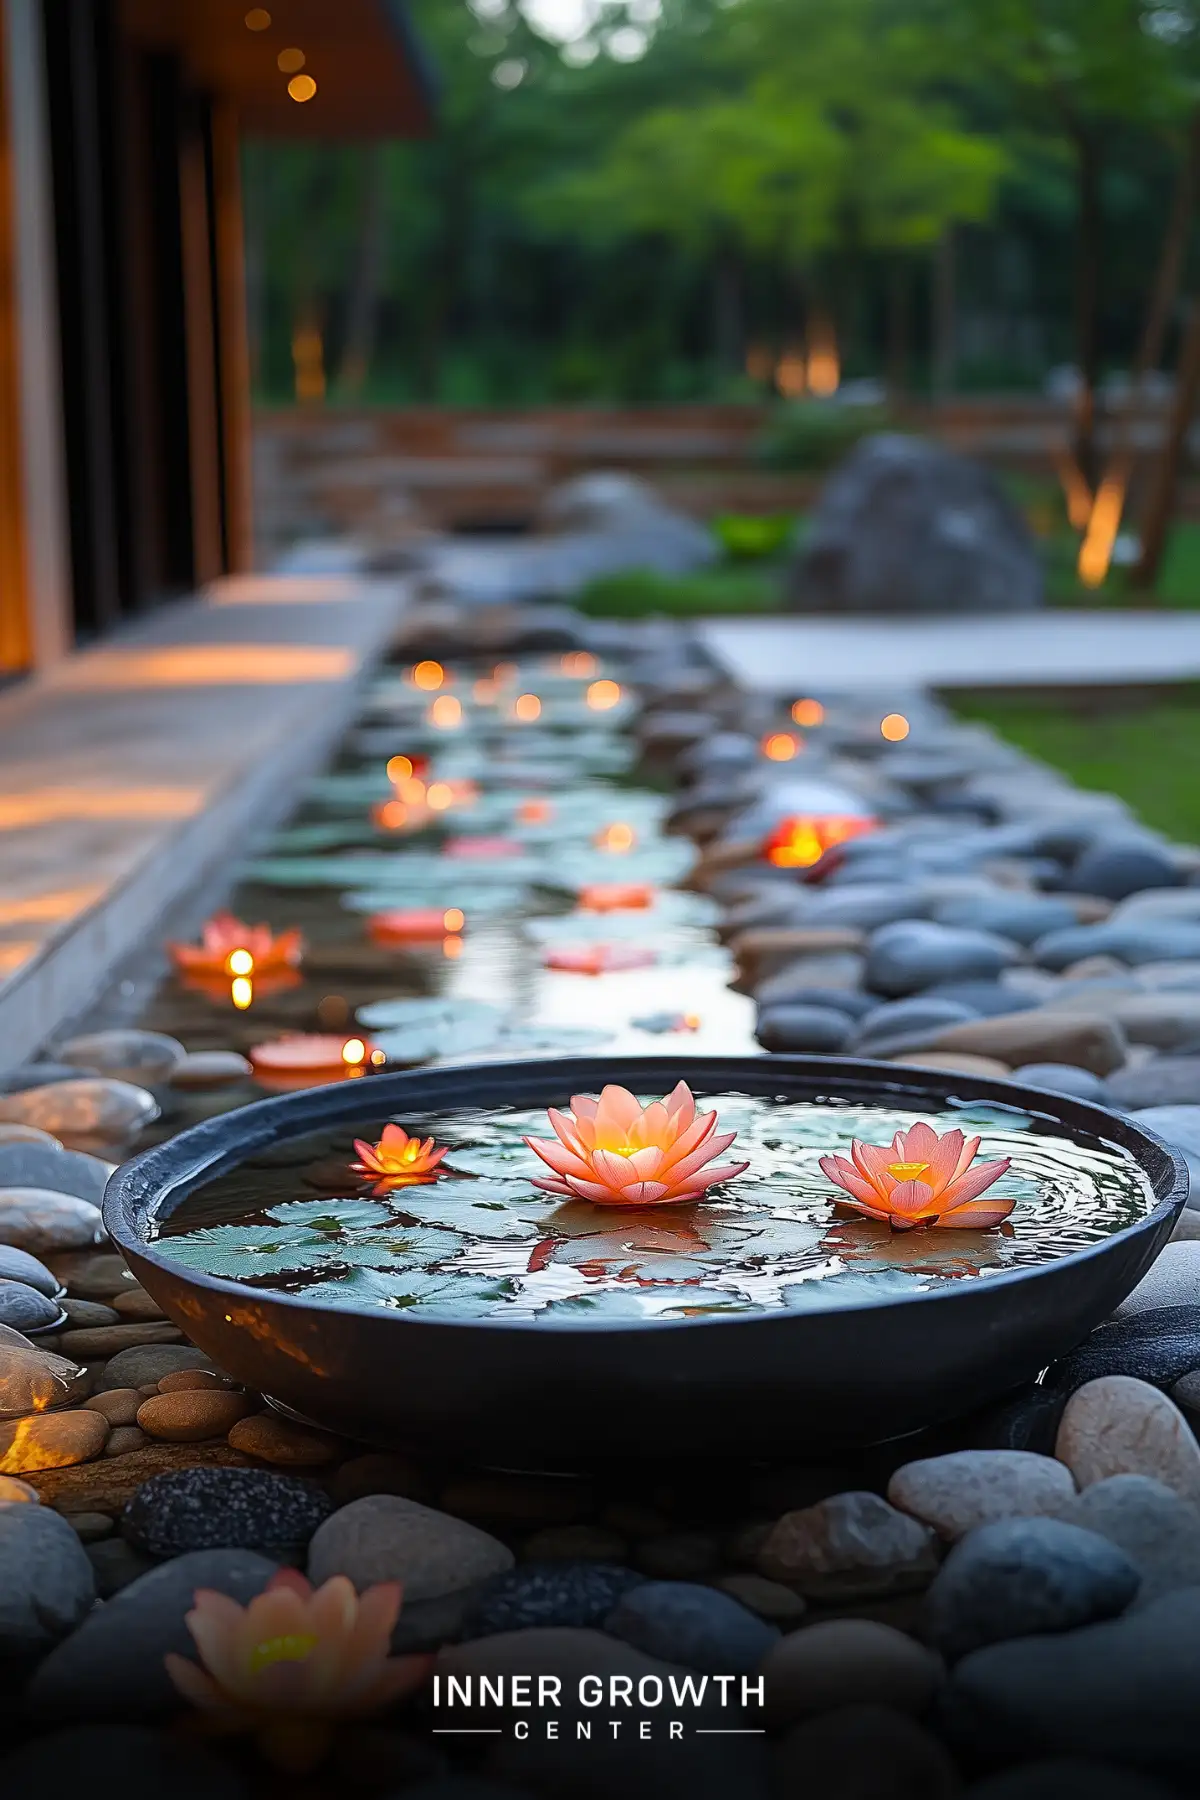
(133, 770)
(1051, 649)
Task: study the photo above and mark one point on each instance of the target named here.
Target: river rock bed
(1006, 1609)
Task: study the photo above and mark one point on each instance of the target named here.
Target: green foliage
(641, 593)
(813, 435)
(1146, 752)
(752, 537)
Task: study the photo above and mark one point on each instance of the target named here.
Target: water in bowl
(481, 1242)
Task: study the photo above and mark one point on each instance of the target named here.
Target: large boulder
(620, 522)
(905, 526)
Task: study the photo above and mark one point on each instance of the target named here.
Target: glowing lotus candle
(598, 959)
(229, 947)
(290, 1665)
(798, 842)
(920, 1180)
(398, 1160)
(617, 1152)
(616, 896)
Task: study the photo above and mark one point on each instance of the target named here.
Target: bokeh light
(808, 712)
(894, 728)
(428, 675)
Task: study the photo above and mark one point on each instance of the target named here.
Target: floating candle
(465, 849)
(228, 946)
(416, 925)
(797, 843)
(307, 1058)
(598, 959)
(615, 896)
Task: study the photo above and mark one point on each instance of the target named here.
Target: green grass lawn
(730, 588)
(1147, 751)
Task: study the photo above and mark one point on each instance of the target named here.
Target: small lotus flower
(229, 947)
(920, 1180)
(616, 1152)
(598, 959)
(295, 1662)
(398, 1160)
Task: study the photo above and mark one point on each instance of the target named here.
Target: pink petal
(910, 1198)
(704, 1153)
(977, 1215)
(969, 1149)
(861, 1206)
(564, 1129)
(556, 1186)
(872, 1161)
(192, 1682)
(843, 1175)
(697, 1133)
(558, 1157)
(974, 1182)
(583, 1107)
(707, 1178)
(681, 1105)
(944, 1161)
(919, 1143)
(618, 1109)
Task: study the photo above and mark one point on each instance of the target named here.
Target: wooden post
(229, 247)
(35, 574)
(204, 445)
(1160, 506)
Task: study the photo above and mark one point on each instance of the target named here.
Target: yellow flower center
(294, 1647)
(907, 1171)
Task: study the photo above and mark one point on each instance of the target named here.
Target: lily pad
(428, 1293)
(331, 1215)
(485, 1209)
(241, 1251)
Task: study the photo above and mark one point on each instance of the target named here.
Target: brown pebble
(149, 1390)
(276, 1440)
(119, 1405)
(107, 1485)
(50, 1441)
(138, 1306)
(185, 1381)
(192, 1416)
(89, 1527)
(90, 1275)
(124, 1440)
(106, 1340)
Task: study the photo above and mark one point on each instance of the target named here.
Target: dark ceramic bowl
(752, 1385)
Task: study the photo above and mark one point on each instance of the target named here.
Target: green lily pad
(430, 1294)
(331, 1215)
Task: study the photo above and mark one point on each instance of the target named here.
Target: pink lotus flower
(229, 947)
(616, 1152)
(920, 1180)
(293, 1663)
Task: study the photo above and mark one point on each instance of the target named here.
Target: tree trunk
(899, 295)
(362, 308)
(944, 333)
(1160, 506)
(1087, 297)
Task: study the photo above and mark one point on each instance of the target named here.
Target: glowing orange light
(1095, 553)
(791, 375)
(1076, 493)
(578, 662)
(304, 1059)
(598, 959)
(453, 918)
(452, 947)
(241, 992)
(240, 962)
(535, 812)
(612, 896)
(412, 791)
(603, 694)
(302, 88)
(484, 692)
(527, 707)
(226, 943)
(439, 796)
(446, 713)
(392, 815)
(428, 675)
(378, 1058)
(797, 843)
(416, 925)
(808, 712)
(894, 728)
(354, 1051)
(399, 768)
(618, 837)
(291, 61)
(503, 673)
(780, 746)
(258, 19)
